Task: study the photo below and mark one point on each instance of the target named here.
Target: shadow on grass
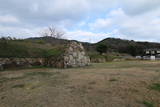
(112, 80)
(19, 86)
(40, 73)
(23, 68)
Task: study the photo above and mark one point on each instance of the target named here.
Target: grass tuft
(148, 104)
(155, 86)
(157, 70)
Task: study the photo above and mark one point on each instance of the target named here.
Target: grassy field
(112, 84)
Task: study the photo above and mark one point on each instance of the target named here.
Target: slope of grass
(24, 48)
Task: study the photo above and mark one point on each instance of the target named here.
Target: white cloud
(134, 7)
(87, 36)
(141, 27)
(19, 32)
(101, 24)
(8, 19)
(134, 19)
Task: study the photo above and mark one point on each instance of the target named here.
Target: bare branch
(53, 32)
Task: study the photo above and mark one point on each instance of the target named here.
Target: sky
(83, 20)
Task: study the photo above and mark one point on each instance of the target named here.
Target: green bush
(107, 57)
(101, 48)
(40, 41)
(111, 57)
(53, 53)
(148, 104)
(155, 86)
(95, 55)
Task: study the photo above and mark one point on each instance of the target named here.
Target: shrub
(148, 104)
(155, 86)
(53, 53)
(40, 41)
(101, 48)
(95, 55)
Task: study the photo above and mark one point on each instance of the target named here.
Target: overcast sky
(83, 20)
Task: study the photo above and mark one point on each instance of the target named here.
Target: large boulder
(75, 56)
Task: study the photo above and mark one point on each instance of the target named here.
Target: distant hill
(114, 45)
(40, 46)
(127, 46)
(116, 42)
(54, 42)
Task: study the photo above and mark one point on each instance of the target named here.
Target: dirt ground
(112, 84)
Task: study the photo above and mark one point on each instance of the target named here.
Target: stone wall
(75, 56)
(9, 63)
(20, 62)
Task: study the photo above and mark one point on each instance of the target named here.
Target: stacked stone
(20, 62)
(75, 56)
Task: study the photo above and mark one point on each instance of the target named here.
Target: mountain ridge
(114, 44)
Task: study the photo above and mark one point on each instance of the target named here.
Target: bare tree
(53, 32)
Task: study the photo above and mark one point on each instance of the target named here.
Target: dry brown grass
(113, 84)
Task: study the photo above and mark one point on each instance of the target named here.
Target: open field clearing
(112, 84)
